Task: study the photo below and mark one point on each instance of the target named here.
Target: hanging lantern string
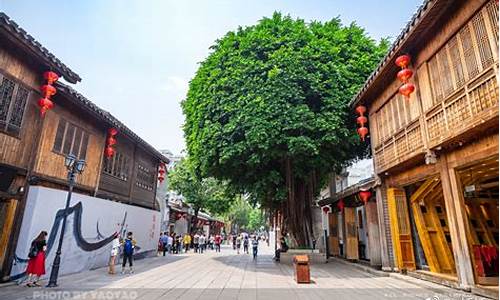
(45, 103)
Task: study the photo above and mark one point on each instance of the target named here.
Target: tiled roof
(105, 116)
(396, 46)
(17, 34)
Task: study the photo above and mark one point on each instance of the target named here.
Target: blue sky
(137, 57)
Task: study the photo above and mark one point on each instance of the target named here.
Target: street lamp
(74, 167)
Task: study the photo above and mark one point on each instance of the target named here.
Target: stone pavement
(227, 275)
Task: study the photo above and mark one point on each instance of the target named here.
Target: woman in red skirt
(36, 263)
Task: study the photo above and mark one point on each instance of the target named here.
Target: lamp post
(74, 167)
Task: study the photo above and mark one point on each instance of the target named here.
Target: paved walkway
(227, 275)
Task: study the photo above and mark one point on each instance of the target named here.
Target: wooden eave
(108, 119)
(350, 191)
(417, 30)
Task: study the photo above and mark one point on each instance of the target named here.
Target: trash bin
(301, 264)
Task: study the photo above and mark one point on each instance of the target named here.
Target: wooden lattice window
(435, 126)
(145, 178)
(437, 92)
(414, 138)
(117, 166)
(444, 71)
(456, 62)
(482, 40)
(395, 113)
(70, 139)
(469, 53)
(484, 96)
(492, 11)
(13, 98)
(458, 111)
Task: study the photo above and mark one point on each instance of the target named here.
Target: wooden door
(334, 234)
(400, 229)
(432, 225)
(351, 233)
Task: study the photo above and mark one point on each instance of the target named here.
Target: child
(128, 252)
(115, 248)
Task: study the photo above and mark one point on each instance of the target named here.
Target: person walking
(212, 242)
(238, 244)
(187, 242)
(36, 262)
(255, 246)
(179, 244)
(128, 252)
(164, 242)
(217, 241)
(234, 237)
(170, 243)
(196, 242)
(201, 243)
(245, 243)
(115, 249)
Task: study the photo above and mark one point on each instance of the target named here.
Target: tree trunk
(297, 207)
(194, 222)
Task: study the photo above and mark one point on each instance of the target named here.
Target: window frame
(17, 84)
(84, 133)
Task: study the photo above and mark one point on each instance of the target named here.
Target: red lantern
(341, 205)
(109, 152)
(48, 90)
(161, 178)
(405, 74)
(112, 132)
(365, 196)
(326, 209)
(50, 76)
(403, 61)
(362, 131)
(161, 171)
(45, 104)
(406, 89)
(360, 110)
(111, 141)
(362, 120)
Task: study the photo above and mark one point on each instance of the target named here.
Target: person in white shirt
(115, 249)
(170, 242)
(202, 243)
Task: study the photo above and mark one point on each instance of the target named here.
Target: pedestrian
(187, 242)
(245, 243)
(196, 242)
(201, 243)
(238, 244)
(164, 242)
(212, 242)
(36, 262)
(115, 249)
(170, 242)
(255, 246)
(179, 244)
(128, 252)
(160, 244)
(217, 241)
(235, 236)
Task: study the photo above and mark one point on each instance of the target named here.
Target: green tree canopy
(267, 110)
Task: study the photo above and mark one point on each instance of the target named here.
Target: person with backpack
(36, 263)
(164, 243)
(128, 252)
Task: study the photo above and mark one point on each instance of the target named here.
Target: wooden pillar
(10, 212)
(334, 233)
(351, 233)
(457, 218)
(373, 234)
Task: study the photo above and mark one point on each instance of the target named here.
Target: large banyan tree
(267, 110)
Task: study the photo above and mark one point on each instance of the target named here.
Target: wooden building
(33, 148)
(436, 153)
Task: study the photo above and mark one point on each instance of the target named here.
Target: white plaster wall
(41, 207)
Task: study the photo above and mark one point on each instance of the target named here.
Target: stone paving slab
(227, 275)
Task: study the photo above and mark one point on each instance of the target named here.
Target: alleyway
(226, 275)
